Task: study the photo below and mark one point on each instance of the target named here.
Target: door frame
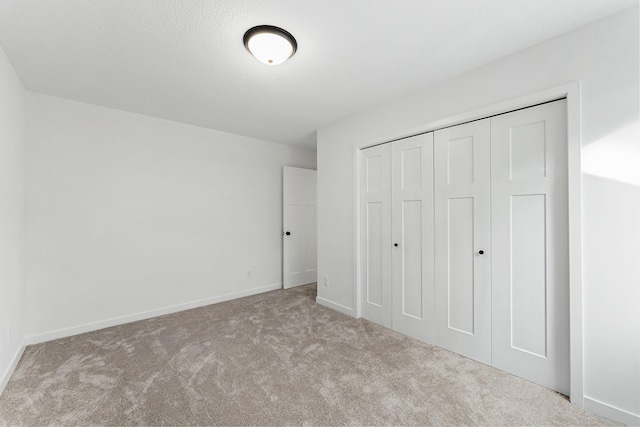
(572, 94)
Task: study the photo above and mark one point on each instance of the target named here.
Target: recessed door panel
(411, 168)
(460, 281)
(412, 258)
(460, 160)
(528, 151)
(528, 274)
(412, 255)
(530, 292)
(375, 257)
(375, 234)
(373, 174)
(462, 233)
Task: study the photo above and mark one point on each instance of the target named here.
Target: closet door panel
(374, 253)
(411, 254)
(462, 230)
(460, 283)
(413, 257)
(528, 259)
(530, 245)
(375, 234)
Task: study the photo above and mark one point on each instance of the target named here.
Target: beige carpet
(271, 359)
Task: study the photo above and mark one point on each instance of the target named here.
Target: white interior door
(462, 239)
(412, 231)
(530, 244)
(299, 226)
(375, 234)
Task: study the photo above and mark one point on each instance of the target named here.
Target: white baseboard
(6, 375)
(335, 306)
(611, 412)
(94, 326)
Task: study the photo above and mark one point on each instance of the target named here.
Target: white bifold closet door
(530, 273)
(465, 242)
(462, 238)
(375, 234)
(397, 235)
(412, 230)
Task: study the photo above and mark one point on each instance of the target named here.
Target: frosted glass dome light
(270, 45)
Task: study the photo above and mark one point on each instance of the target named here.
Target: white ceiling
(184, 60)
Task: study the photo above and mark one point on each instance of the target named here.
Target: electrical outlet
(249, 274)
(9, 333)
(325, 281)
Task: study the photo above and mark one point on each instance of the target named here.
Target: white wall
(604, 57)
(128, 214)
(612, 291)
(12, 120)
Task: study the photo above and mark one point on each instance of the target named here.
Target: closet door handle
(395, 244)
(481, 252)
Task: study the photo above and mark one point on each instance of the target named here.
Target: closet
(464, 240)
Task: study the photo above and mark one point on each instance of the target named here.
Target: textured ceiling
(184, 60)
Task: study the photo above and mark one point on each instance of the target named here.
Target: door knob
(288, 233)
(481, 252)
(395, 244)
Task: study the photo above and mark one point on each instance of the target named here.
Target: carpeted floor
(271, 359)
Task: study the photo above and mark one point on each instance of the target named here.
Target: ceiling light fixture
(270, 45)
